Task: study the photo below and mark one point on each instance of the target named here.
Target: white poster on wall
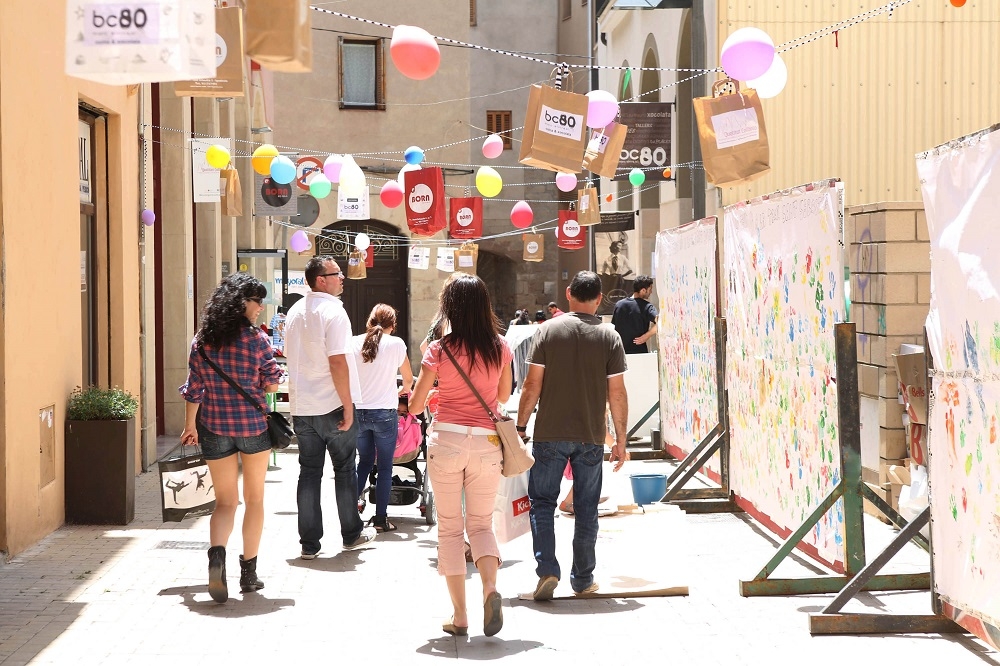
(205, 180)
(296, 282)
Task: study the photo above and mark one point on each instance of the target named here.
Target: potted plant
(100, 456)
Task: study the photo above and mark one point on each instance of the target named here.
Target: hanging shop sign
(206, 181)
(230, 65)
(647, 143)
(274, 199)
(353, 208)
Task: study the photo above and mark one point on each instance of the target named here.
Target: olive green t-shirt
(579, 354)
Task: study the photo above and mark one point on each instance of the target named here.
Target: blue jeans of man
(377, 430)
(319, 436)
(543, 491)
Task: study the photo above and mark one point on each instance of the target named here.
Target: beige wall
(39, 221)
(860, 111)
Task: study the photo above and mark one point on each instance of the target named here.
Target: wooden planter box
(100, 472)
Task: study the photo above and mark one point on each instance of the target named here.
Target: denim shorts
(216, 447)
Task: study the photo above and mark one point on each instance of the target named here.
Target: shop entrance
(386, 281)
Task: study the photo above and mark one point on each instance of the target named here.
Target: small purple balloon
(148, 217)
(299, 241)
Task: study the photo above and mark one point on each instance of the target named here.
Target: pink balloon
(492, 146)
(299, 241)
(414, 52)
(391, 195)
(331, 168)
(148, 217)
(602, 107)
(566, 182)
(521, 215)
(747, 54)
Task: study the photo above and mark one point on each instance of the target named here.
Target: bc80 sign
(647, 156)
(122, 23)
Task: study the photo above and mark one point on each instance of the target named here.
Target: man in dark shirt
(635, 317)
(576, 367)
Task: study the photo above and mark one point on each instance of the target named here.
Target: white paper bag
(511, 507)
(420, 258)
(146, 41)
(446, 259)
(352, 208)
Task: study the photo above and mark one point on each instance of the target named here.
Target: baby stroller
(409, 482)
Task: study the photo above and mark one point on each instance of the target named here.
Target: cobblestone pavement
(138, 595)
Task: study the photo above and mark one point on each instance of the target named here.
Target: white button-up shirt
(316, 328)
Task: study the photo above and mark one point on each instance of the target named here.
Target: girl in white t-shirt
(379, 355)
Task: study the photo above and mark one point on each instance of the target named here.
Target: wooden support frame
(707, 500)
(851, 490)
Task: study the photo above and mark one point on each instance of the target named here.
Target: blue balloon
(413, 155)
(282, 170)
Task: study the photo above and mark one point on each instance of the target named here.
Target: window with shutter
(500, 122)
(362, 73)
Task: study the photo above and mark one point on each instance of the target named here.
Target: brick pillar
(890, 297)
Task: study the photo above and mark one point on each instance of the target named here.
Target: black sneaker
(217, 574)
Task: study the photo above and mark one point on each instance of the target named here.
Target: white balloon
(408, 167)
(771, 82)
(352, 178)
(362, 241)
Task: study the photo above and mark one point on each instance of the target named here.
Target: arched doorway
(386, 281)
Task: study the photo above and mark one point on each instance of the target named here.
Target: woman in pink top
(464, 451)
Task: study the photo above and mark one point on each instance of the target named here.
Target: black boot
(248, 575)
(217, 574)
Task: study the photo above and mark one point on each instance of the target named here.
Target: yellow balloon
(262, 159)
(488, 181)
(217, 156)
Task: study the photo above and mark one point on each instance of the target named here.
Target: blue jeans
(543, 491)
(318, 435)
(377, 430)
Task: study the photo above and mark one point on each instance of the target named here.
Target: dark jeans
(377, 430)
(543, 491)
(318, 435)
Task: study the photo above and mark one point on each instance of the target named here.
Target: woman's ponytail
(382, 318)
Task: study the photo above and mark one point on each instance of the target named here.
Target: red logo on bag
(424, 189)
(569, 234)
(521, 505)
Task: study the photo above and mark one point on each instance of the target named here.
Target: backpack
(408, 438)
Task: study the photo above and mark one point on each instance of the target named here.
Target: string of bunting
(837, 27)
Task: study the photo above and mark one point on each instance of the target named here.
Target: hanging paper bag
(370, 257)
(446, 259)
(232, 192)
(356, 266)
(588, 210)
(186, 488)
(423, 195)
(230, 75)
(534, 247)
(279, 34)
(420, 258)
(156, 41)
(467, 257)
(511, 508)
(605, 149)
(733, 137)
(569, 234)
(555, 129)
(465, 218)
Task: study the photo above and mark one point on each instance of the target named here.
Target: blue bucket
(648, 488)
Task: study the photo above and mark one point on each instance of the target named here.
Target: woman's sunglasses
(258, 301)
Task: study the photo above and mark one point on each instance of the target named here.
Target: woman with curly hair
(378, 356)
(463, 453)
(225, 423)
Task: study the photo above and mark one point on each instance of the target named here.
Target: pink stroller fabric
(407, 440)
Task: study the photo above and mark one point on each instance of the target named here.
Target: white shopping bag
(510, 510)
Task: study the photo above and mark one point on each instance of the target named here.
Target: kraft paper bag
(467, 258)
(279, 34)
(356, 269)
(733, 137)
(605, 149)
(232, 192)
(555, 129)
(534, 247)
(588, 209)
(230, 74)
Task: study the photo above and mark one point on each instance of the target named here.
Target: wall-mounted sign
(647, 144)
(86, 173)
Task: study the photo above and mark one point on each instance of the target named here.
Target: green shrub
(99, 404)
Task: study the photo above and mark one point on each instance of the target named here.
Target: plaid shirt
(250, 363)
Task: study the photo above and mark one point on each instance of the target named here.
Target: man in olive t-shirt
(575, 367)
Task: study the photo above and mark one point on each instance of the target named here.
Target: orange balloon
(958, 3)
(666, 173)
(609, 198)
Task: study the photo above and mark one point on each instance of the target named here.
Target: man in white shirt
(321, 385)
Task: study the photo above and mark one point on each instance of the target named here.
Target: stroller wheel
(430, 515)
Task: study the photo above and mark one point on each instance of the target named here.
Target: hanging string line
(847, 23)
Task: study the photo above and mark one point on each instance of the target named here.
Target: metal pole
(849, 421)
(594, 84)
(699, 60)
